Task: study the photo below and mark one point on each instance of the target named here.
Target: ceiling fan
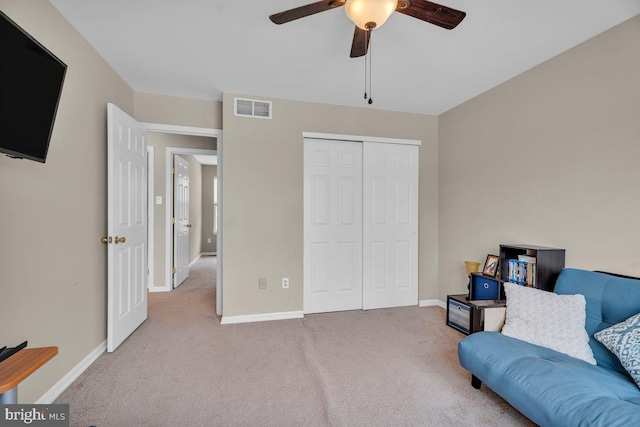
(371, 14)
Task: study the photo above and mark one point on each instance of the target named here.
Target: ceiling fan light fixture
(370, 14)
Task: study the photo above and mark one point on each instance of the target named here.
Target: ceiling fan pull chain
(370, 67)
(365, 67)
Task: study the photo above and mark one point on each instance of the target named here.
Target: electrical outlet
(262, 283)
(209, 240)
(285, 283)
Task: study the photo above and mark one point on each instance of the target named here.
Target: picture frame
(491, 265)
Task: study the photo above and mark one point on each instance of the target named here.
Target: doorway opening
(162, 260)
(185, 200)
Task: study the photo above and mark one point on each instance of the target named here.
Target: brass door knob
(107, 240)
(119, 240)
(188, 225)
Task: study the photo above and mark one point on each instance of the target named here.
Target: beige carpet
(391, 367)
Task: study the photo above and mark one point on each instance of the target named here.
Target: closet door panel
(390, 225)
(332, 226)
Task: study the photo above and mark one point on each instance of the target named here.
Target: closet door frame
(363, 140)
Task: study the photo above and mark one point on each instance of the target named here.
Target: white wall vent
(252, 108)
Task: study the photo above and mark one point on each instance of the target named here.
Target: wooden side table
(18, 367)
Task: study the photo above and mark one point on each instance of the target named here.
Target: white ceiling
(206, 159)
(202, 48)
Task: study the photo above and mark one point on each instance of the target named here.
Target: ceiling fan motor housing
(370, 14)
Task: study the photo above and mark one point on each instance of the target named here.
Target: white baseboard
(196, 259)
(64, 382)
(208, 253)
(432, 302)
(227, 320)
(159, 289)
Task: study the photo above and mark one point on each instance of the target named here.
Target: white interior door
(332, 226)
(181, 224)
(126, 226)
(390, 225)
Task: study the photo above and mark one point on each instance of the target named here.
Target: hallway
(197, 293)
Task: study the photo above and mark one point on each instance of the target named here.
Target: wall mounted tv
(31, 81)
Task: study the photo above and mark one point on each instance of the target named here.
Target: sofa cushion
(547, 319)
(550, 388)
(623, 340)
(610, 300)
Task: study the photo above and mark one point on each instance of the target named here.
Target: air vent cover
(252, 108)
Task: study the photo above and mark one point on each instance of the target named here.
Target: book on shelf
(527, 258)
(523, 272)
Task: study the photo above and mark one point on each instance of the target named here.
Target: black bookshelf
(549, 263)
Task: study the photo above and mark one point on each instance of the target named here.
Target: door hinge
(174, 220)
(174, 171)
(173, 270)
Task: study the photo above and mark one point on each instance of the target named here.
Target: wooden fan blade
(302, 11)
(360, 43)
(433, 13)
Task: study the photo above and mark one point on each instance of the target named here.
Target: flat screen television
(31, 81)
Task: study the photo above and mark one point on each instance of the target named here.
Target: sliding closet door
(332, 226)
(390, 231)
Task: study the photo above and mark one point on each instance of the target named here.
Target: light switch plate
(158, 200)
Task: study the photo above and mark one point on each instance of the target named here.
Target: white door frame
(359, 138)
(195, 131)
(151, 174)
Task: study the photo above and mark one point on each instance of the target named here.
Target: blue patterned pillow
(623, 340)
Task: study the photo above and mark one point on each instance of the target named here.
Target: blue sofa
(551, 388)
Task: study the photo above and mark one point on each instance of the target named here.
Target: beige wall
(53, 267)
(208, 173)
(550, 157)
(262, 205)
(160, 142)
(173, 110)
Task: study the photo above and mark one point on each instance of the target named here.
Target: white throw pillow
(548, 320)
